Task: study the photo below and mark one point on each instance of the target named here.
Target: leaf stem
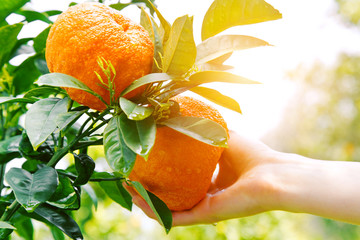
(2, 175)
(85, 144)
(10, 211)
(73, 177)
(63, 151)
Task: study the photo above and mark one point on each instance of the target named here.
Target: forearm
(325, 188)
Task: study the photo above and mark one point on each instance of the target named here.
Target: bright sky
(310, 31)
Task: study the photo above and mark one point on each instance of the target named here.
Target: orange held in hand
(179, 168)
(89, 31)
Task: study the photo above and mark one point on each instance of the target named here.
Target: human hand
(240, 187)
(237, 190)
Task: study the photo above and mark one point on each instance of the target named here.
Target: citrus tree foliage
(328, 102)
(350, 9)
(40, 124)
(322, 119)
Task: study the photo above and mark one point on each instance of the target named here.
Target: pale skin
(253, 178)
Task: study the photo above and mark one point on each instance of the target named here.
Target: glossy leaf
(106, 176)
(43, 91)
(9, 6)
(149, 78)
(61, 220)
(25, 75)
(150, 25)
(63, 80)
(6, 225)
(24, 228)
(162, 212)
(180, 49)
(166, 26)
(139, 136)
(4, 100)
(40, 40)
(8, 36)
(65, 196)
(218, 98)
(44, 152)
(5, 232)
(217, 76)
(91, 193)
(118, 155)
(224, 14)
(40, 119)
(85, 166)
(217, 46)
(65, 120)
(9, 149)
(116, 191)
(32, 189)
(133, 111)
(31, 16)
(201, 129)
(202, 77)
(56, 233)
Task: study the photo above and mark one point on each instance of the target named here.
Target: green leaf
(65, 196)
(5, 232)
(40, 40)
(24, 228)
(119, 6)
(180, 49)
(217, 76)
(9, 149)
(118, 155)
(116, 191)
(149, 78)
(162, 212)
(8, 36)
(9, 6)
(202, 77)
(4, 100)
(6, 225)
(43, 153)
(31, 16)
(67, 119)
(85, 166)
(139, 136)
(61, 220)
(25, 75)
(56, 233)
(217, 46)
(40, 63)
(134, 111)
(63, 80)
(165, 25)
(43, 91)
(32, 189)
(91, 193)
(224, 14)
(218, 98)
(40, 119)
(201, 129)
(150, 25)
(22, 47)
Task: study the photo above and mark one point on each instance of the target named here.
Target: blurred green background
(321, 120)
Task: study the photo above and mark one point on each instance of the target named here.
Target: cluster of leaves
(55, 126)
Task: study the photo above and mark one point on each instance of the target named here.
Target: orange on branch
(89, 31)
(179, 168)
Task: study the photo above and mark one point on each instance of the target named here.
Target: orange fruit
(87, 31)
(179, 168)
